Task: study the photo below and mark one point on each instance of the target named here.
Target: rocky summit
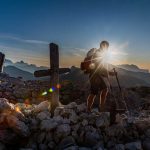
(32, 127)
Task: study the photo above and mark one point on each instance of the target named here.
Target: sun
(113, 55)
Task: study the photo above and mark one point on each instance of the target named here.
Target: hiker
(94, 65)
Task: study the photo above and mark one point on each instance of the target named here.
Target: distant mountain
(126, 78)
(133, 68)
(24, 66)
(8, 62)
(129, 75)
(15, 72)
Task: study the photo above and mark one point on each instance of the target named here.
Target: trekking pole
(117, 79)
(120, 88)
(111, 91)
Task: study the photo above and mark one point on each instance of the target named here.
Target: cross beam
(49, 72)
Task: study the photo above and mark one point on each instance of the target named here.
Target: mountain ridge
(133, 76)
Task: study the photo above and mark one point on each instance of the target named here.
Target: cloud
(23, 40)
(124, 45)
(74, 49)
(77, 54)
(28, 55)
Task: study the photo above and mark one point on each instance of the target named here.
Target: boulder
(51, 145)
(26, 109)
(34, 124)
(73, 117)
(91, 138)
(48, 125)
(58, 111)
(43, 115)
(119, 147)
(81, 108)
(103, 120)
(8, 136)
(22, 93)
(43, 106)
(67, 142)
(71, 105)
(17, 126)
(72, 148)
(5, 105)
(115, 130)
(84, 122)
(43, 147)
(18, 114)
(133, 146)
(63, 130)
(58, 119)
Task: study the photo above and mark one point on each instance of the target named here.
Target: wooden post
(2, 58)
(54, 79)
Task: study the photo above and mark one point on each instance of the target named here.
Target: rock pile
(32, 127)
(19, 91)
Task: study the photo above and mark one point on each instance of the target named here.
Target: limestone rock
(58, 111)
(5, 105)
(43, 147)
(18, 126)
(73, 117)
(58, 119)
(67, 142)
(51, 145)
(84, 122)
(43, 106)
(63, 130)
(133, 146)
(103, 120)
(72, 148)
(48, 125)
(119, 147)
(71, 105)
(81, 108)
(92, 138)
(43, 115)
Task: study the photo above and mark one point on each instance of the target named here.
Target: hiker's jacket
(100, 67)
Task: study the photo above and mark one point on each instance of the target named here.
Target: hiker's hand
(112, 73)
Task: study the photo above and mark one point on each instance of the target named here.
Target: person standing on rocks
(96, 66)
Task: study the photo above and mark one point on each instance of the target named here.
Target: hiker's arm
(111, 73)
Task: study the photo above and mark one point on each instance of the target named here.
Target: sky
(28, 26)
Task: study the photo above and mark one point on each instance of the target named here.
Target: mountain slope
(24, 66)
(126, 78)
(133, 68)
(15, 72)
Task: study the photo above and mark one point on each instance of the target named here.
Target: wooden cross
(53, 72)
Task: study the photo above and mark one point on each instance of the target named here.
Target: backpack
(86, 64)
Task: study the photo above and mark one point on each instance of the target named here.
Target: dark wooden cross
(53, 72)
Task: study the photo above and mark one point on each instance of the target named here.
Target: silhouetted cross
(53, 72)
